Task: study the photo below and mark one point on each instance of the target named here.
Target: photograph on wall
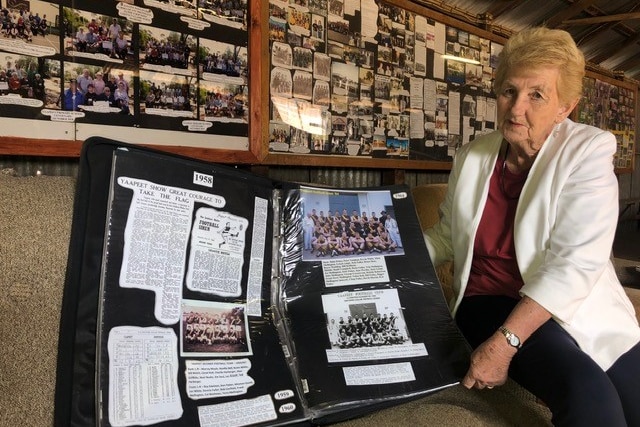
(26, 27)
(28, 85)
(97, 36)
(281, 84)
(321, 93)
(282, 55)
(167, 51)
(181, 7)
(229, 14)
(99, 93)
(223, 102)
(277, 28)
(166, 95)
(344, 86)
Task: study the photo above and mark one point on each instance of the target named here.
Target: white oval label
(287, 408)
(283, 394)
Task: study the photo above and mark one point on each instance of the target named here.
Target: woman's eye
(537, 95)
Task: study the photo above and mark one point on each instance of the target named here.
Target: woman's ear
(566, 109)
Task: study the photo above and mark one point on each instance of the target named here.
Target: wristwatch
(512, 339)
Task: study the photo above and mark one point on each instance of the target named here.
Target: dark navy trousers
(552, 366)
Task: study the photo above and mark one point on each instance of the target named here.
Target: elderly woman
(529, 220)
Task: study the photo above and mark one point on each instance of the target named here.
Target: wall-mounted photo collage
(371, 79)
(611, 107)
(178, 65)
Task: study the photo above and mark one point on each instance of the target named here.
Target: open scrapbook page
(200, 295)
(360, 302)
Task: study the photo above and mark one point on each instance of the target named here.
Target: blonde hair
(541, 47)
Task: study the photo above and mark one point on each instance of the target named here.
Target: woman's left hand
(489, 363)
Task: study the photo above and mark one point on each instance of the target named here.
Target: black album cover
(201, 295)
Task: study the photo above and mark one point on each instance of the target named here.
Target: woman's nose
(519, 105)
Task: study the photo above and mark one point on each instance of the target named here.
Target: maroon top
(494, 268)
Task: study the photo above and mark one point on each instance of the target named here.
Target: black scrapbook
(201, 295)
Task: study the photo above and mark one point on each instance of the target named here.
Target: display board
(611, 104)
(144, 71)
(376, 80)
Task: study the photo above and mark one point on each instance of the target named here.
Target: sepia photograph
(213, 329)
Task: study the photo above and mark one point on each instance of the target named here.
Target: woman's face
(529, 107)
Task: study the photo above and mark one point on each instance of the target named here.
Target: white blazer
(564, 228)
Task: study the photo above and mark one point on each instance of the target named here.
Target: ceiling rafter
(571, 11)
(632, 37)
(620, 26)
(621, 17)
(596, 31)
(464, 15)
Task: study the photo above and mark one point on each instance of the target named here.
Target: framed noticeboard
(610, 104)
(374, 83)
(168, 73)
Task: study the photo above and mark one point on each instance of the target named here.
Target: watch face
(514, 341)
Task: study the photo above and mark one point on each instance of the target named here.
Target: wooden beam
(259, 79)
(569, 12)
(600, 19)
(619, 28)
(39, 147)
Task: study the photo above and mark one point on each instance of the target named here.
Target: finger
(468, 382)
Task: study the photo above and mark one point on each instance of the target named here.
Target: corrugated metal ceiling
(607, 31)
